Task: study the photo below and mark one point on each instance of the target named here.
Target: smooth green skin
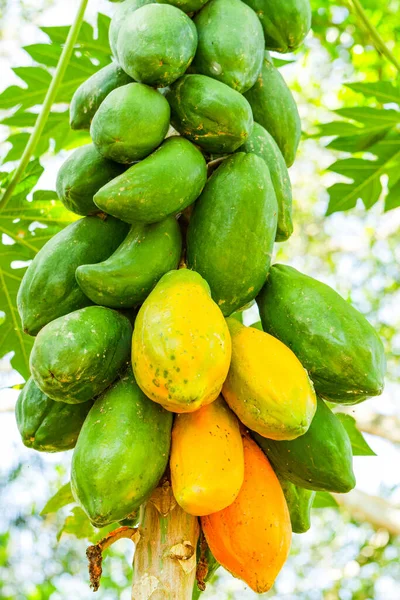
(122, 13)
(128, 276)
(299, 502)
(130, 123)
(285, 24)
(49, 289)
(46, 425)
(92, 92)
(76, 357)
(163, 184)
(188, 6)
(321, 459)
(231, 43)
(121, 454)
(156, 44)
(210, 113)
(232, 231)
(274, 108)
(341, 351)
(81, 176)
(263, 144)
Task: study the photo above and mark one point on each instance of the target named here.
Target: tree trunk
(164, 565)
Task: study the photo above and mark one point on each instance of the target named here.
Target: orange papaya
(251, 538)
(207, 464)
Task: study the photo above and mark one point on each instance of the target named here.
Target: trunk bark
(164, 565)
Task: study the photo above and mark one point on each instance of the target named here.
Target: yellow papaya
(207, 464)
(267, 387)
(181, 347)
(251, 538)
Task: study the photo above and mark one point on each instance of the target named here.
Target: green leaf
(324, 500)
(384, 91)
(78, 524)
(358, 443)
(61, 498)
(370, 116)
(393, 198)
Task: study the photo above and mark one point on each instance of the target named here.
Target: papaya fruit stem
(95, 553)
(48, 102)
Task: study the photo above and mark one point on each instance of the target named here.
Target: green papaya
(81, 176)
(232, 231)
(274, 108)
(231, 43)
(122, 13)
(263, 144)
(321, 459)
(188, 6)
(299, 502)
(341, 351)
(46, 425)
(285, 24)
(130, 123)
(144, 194)
(91, 93)
(210, 113)
(129, 275)
(76, 357)
(49, 289)
(121, 454)
(156, 44)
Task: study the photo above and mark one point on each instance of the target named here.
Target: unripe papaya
(121, 454)
(143, 194)
(231, 235)
(188, 6)
(341, 351)
(128, 276)
(181, 347)
(207, 465)
(49, 289)
(122, 13)
(251, 538)
(156, 44)
(275, 109)
(130, 123)
(263, 144)
(210, 113)
(91, 93)
(76, 357)
(299, 502)
(231, 43)
(81, 176)
(46, 425)
(267, 387)
(321, 459)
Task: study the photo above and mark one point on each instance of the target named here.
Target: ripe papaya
(120, 15)
(49, 289)
(207, 464)
(81, 176)
(251, 538)
(130, 123)
(299, 502)
(267, 387)
(210, 113)
(275, 109)
(144, 194)
(263, 144)
(181, 347)
(231, 235)
(128, 276)
(46, 425)
(341, 351)
(188, 6)
(156, 44)
(91, 93)
(121, 454)
(285, 24)
(321, 459)
(76, 357)
(231, 43)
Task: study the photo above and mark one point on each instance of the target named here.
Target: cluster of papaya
(140, 360)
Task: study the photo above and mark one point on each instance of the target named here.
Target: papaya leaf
(61, 498)
(358, 443)
(324, 500)
(385, 92)
(78, 524)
